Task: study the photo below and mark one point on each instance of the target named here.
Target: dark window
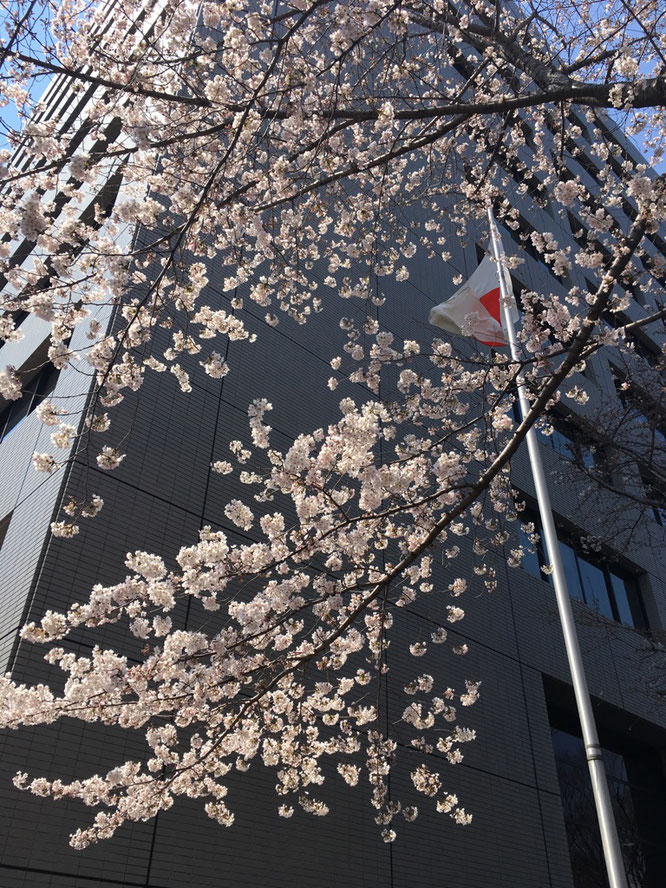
(528, 134)
(595, 591)
(616, 319)
(642, 408)
(4, 527)
(518, 289)
(524, 179)
(588, 165)
(621, 593)
(33, 394)
(636, 783)
(568, 441)
(570, 563)
(558, 439)
(655, 492)
(534, 556)
(607, 588)
(521, 235)
(646, 350)
(463, 68)
(578, 231)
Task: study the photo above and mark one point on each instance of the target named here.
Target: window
(558, 439)
(614, 319)
(578, 231)
(636, 783)
(463, 67)
(642, 408)
(4, 527)
(33, 393)
(524, 179)
(521, 232)
(568, 441)
(585, 162)
(593, 579)
(629, 285)
(653, 486)
(649, 352)
(534, 552)
(587, 239)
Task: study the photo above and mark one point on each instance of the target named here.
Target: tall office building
(525, 778)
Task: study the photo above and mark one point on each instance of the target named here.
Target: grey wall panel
(341, 848)
(35, 831)
(130, 520)
(489, 852)
(20, 559)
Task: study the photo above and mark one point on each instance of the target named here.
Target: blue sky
(9, 118)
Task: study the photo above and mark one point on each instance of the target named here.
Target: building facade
(524, 778)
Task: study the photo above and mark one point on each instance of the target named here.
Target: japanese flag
(478, 297)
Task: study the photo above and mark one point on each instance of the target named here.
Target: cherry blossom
(269, 153)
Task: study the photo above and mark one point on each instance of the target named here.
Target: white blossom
(239, 514)
(48, 413)
(44, 462)
(62, 438)
(109, 458)
(215, 366)
(65, 529)
(10, 384)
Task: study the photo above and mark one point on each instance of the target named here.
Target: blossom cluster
(266, 174)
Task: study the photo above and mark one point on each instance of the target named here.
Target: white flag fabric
(479, 296)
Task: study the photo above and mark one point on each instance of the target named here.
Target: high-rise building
(525, 777)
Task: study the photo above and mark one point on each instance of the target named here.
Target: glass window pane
(530, 558)
(578, 808)
(46, 381)
(561, 443)
(594, 588)
(14, 413)
(637, 788)
(545, 439)
(621, 600)
(33, 393)
(587, 456)
(616, 770)
(573, 580)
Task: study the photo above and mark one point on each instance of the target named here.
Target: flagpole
(602, 800)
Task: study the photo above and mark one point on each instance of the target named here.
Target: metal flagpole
(602, 800)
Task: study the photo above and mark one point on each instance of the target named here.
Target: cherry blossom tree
(276, 139)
